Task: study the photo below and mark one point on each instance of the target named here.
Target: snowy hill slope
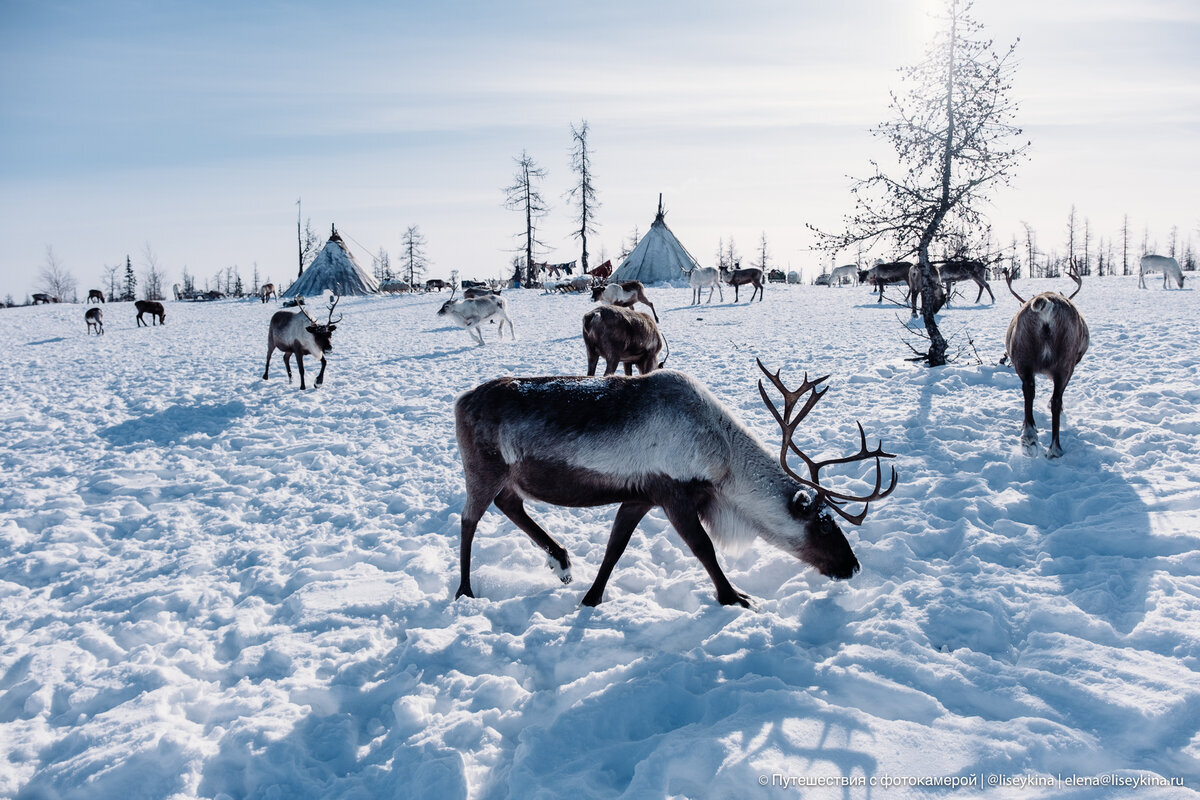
(215, 586)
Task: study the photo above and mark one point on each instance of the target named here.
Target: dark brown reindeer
(158, 314)
(622, 336)
(740, 277)
(94, 318)
(657, 440)
(957, 270)
(914, 288)
(95, 294)
(290, 335)
(883, 274)
(1047, 336)
(42, 297)
(624, 293)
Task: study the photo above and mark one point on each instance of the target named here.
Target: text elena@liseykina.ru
(982, 781)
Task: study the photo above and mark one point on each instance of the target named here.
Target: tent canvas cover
(658, 257)
(333, 270)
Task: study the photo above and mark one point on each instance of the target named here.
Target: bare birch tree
(56, 280)
(953, 135)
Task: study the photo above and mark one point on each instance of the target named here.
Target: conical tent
(658, 257)
(333, 270)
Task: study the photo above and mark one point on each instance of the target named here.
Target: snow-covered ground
(215, 586)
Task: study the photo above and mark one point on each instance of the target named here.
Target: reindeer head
(322, 331)
(823, 545)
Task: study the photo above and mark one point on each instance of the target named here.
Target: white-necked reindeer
(289, 334)
(1169, 267)
(656, 440)
(1047, 336)
(738, 277)
(847, 272)
(624, 294)
(700, 277)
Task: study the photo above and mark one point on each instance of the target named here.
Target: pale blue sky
(195, 126)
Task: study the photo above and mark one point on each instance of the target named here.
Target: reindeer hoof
(592, 600)
(560, 568)
(1054, 451)
(464, 591)
(736, 599)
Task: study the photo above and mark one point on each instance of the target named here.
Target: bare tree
(110, 280)
(763, 253)
(381, 265)
(523, 195)
(153, 274)
(953, 133)
(56, 280)
(412, 255)
(1071, 228)
(583, 192)
(629, 244)
(1030, 249)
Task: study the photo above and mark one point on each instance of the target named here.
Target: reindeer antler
(788, 423)
(1008, 280)
(333, 301)
(1073, 274)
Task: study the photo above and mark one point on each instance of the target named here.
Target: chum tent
(333, 270)
(658, 257)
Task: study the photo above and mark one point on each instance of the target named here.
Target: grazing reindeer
(158, 314)
(94, 318)
(625, 294)
(1168, 266)
(914, 288)
(622, 336)
(95, 294)
(1047, 336)
(472, 312)
(699, 277)
(955, 271)
(656, 440)
(740, 277)
(42, 297)
(291, 336)
(882, 274)
(267, 292)
(849, 272)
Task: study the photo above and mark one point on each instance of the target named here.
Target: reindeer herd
(661, 439)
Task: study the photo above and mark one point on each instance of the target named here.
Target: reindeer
(656, 440)
(42, 297)
(267, 291)
(699, 277)
(95, 294)
(848, 272)
(625, 294)
(914, 288)
(94, 317)
(1047, 336)
(740, 277)
(158, 314)
(291, 336)
(1168, 266)
(622, 336)
(470, 313)
(955, 271)
(883, 273)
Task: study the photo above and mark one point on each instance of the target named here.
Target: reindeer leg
(628, 516)
(628, 368)
(287, 364)
(683, 518)
(321, 374)
(267, 368)
(1029, 432)
(511, 505)
(1060, 384)
(593, 359)
(300, 366)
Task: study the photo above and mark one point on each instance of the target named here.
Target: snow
(215, 586)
